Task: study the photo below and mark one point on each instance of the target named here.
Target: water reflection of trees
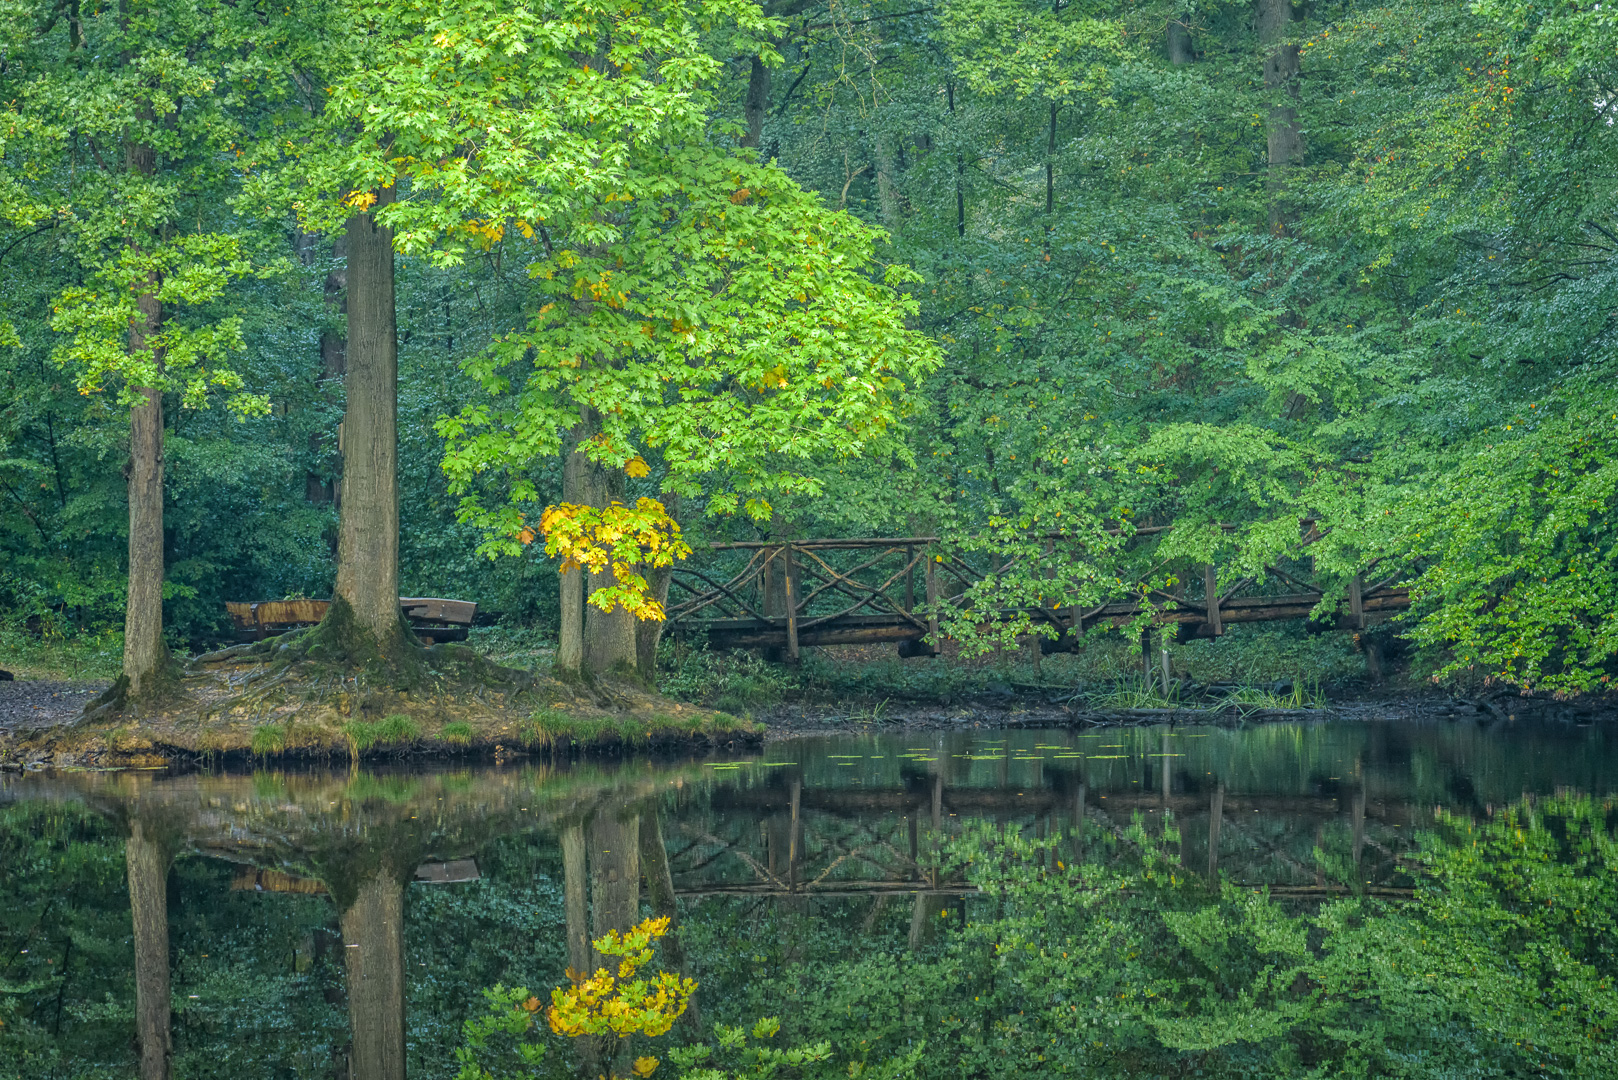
(802, 892)
(359, 839)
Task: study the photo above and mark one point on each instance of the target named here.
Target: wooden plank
(446, 873)
(757, 637)
(289, 612)
(241, 619)
(459, 612)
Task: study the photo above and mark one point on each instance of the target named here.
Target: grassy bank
(551, 729)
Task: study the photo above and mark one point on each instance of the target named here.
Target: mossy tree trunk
(1179, 38)
(592, 641)
(649, 632)
(146, 658)
(1282, 65)
(373, 954)
(368, 523)
(147, 861)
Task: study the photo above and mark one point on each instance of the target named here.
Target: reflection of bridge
(788, 594)
(672, 839)
(791, 841)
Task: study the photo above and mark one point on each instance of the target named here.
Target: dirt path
(36, 703)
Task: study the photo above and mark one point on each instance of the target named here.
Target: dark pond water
(333, 923)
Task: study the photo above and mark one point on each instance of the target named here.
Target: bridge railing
(784, 595)
(788, 594)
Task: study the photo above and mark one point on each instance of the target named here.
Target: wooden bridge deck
(790, 594)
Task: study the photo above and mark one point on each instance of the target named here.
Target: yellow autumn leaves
(624, 539)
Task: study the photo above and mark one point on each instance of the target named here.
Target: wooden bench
(431, 618)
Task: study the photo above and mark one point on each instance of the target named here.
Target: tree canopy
(827, 269)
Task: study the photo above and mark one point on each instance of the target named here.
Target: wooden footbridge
(784, 595)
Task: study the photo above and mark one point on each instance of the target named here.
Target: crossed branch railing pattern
(792, 593)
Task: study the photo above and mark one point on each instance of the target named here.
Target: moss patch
(552, 729)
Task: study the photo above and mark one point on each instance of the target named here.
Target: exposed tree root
(331, 691)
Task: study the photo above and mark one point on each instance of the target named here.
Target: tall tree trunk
(147, 861)
(592, 640)
(1050, 165)
(757, 104)
(1281, 67)
(368, 528)
(887, 189)
(373, 939)
(609, 636)
(1179, 39)
(570, 636)
(145, 655)
(649, 632)
(960, 169)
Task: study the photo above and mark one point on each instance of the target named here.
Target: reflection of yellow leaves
(623, 1005)
(644, 1066)
(637, 467)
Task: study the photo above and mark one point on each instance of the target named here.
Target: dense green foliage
(1406, 337)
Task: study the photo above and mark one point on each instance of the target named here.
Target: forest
(371, 297)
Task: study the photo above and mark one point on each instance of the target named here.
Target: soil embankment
(240, 705)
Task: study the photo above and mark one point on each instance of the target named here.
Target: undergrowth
(65, 654)
(1253, 659)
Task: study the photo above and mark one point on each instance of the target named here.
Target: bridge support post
(1146, 657)
(792, 605)
(910, 579)
(932, 604)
